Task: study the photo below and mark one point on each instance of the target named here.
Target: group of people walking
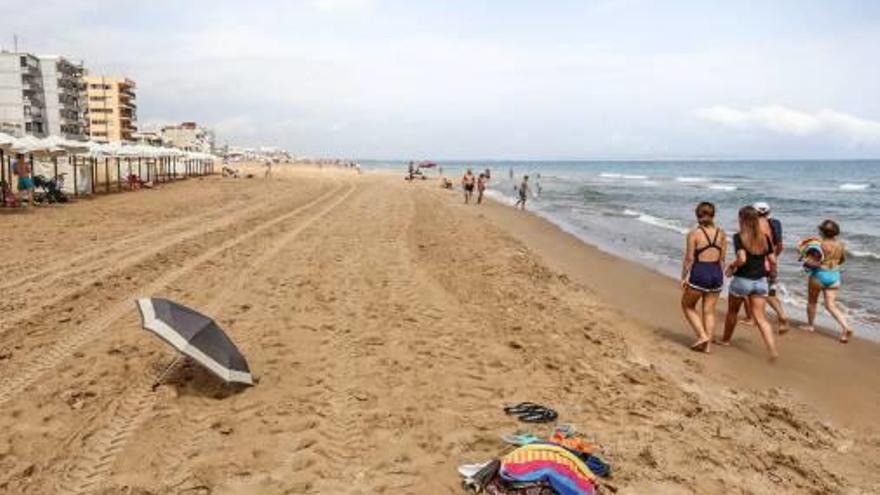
(469, 182)
(753, 273)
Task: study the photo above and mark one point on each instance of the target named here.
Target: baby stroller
(51, 190)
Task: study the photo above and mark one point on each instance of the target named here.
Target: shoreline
(813, 365)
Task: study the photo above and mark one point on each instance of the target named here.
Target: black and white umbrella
(196, 336)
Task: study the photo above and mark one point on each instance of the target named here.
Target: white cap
(762, 207)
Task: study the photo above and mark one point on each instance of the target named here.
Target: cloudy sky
(489, 79)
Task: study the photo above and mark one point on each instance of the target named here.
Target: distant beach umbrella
(427, 164)
(197, 336)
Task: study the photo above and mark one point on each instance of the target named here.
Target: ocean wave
(663, 223)
(691, 180)
(615, 175)
(723, 187)
(854, 187)
(864, 254)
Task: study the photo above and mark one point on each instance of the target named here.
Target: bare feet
(844, 338)
(747, 321)
(810, 328)
(783, 327)
(725, 343)
(701, 346)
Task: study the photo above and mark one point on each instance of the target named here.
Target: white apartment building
(64, 97)
(189, 136)
(22, 104)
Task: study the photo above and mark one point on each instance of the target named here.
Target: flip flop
(521, 408)
(470, 470)
(543, 416)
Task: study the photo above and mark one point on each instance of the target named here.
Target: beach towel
(566, 473)
(500, 487)
(811, 246)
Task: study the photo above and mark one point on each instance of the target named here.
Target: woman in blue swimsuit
(825, 278)
(702, 275)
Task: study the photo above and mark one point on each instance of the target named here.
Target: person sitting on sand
(467, 183)
(825, 278)
(702, 274)
(481, 187)
(749, 270)
(523, 192)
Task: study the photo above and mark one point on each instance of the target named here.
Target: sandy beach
(387, 324)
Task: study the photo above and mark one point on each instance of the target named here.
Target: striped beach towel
(565, 472)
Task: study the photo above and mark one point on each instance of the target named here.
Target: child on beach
(481, 187)
(702, 274)
(824, 270)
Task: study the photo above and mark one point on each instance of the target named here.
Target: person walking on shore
(467, 183)
(825, 278)
(523, 192)
(773, 227)
(749, 269)
(22, 169)
(702, 275)
(481, 187)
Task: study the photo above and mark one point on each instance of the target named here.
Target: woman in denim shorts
(753, 261)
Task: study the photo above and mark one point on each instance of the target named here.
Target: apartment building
(110, 108)
(22, 100)
(63, 95)
(189, 136)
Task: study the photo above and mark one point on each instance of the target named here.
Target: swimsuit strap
(712, 243)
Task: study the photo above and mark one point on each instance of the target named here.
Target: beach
(387, 324)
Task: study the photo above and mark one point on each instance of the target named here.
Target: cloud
(342, 6)
(792, 122)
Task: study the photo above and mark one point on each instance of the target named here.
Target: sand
(387, 325)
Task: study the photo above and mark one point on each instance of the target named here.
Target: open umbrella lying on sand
(197, 336)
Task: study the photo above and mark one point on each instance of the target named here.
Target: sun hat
(762, 207)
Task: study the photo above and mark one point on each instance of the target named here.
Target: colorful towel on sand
(562, 469)
(573, 443)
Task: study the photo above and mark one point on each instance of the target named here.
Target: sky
(503, 79)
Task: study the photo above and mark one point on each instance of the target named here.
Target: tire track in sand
(139, 404)
(45, 359)
(103, 267)
(52, 268)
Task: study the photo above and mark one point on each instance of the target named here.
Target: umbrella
(197, 336)
(427, 164)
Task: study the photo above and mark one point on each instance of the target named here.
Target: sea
(641, 210)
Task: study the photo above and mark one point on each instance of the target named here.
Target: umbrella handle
(165, 373)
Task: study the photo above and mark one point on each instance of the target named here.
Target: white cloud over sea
(785, 120)
(489, 79)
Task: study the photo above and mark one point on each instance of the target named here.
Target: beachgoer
(488, 174)
(773, 227)
(411, 170)
(268, 169)
(22, 169)
(467, 183)
(510, 172)
(825, 278)
(702, 274)
(749, 269)
(481, 187)
(523, 192)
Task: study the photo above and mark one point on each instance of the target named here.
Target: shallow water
(641, 209)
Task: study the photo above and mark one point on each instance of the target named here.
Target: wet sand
(387, 325)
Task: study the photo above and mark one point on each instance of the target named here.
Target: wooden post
(2, 177)
(55, 166)
(106, 174)
(140, 177)
(72, 159)
(94, 173)
(118, 174)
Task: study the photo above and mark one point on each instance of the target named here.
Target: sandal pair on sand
(529, 412)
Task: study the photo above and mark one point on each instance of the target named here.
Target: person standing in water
(773, 227)
(523, 192)
(749, 269)
(702, 275)
(481, 187)
(467, 183)
(825, 278)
